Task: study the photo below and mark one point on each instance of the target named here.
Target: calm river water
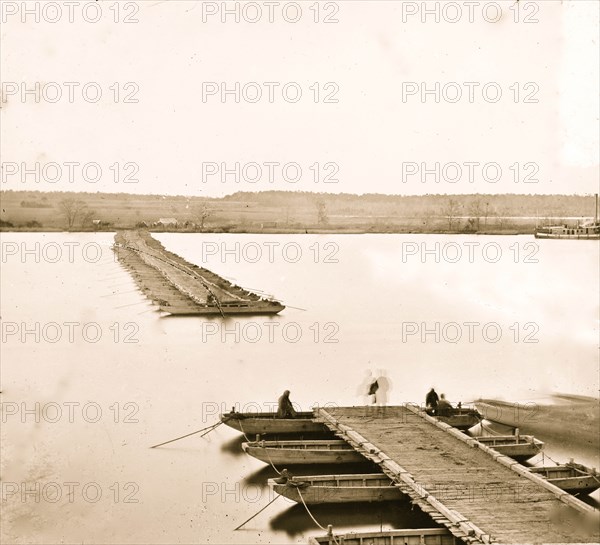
(92, 376)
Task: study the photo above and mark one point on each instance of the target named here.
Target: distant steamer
(587, 231)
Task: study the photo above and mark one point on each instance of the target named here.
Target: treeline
(288, 211)
(421, 205)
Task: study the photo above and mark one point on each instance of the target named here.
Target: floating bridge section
(179, 287)
(480, 495)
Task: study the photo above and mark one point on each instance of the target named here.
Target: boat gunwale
(585, 472)
(527, 440)
(312, 479)
(305, 415)
(289, 444)
(359, 537)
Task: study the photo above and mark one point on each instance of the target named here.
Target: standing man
(431, 402)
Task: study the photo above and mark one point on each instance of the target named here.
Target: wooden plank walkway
(478, 494)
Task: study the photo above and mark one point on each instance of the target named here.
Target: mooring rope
(243, 432)
(258, 513)
(266, 449)
(209, 428)
(490, 430)
(213, 428)
(271, 461)
(543, 460)
(312, 517)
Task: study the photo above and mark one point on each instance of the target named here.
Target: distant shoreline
(292, 213)
(276, 231)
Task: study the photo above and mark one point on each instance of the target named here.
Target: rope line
(543, 460)
(257, 513)
(490, 430)
(312, 517)
(271, 461)
(266, 449)
(209, 428)
(243, 432)
(212, 428)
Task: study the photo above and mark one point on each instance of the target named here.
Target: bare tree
(201, 214)
(450, 211)
(322, 217)
(71, 209)
(476, 210)
(502, 215)
(486, 215)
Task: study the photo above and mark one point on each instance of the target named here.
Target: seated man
(285, 408)
(444, 408)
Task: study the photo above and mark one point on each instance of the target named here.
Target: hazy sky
(374, 138)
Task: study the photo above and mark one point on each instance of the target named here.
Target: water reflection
(348, 516)
(260, 477)
(234, 447)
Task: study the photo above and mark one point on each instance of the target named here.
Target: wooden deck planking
(464, 478)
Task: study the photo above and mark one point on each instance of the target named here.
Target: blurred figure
(285, 408)
(443, 408)
(368, 388)
(431, 402)
(373, 389)
(384, 385)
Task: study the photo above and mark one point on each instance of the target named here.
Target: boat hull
(566, 419)
(572, 478)
(338, 489)
(285, 453)
(460, 421)
(425, 536)
(518, 448)
(269, 424)
(583, 236)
